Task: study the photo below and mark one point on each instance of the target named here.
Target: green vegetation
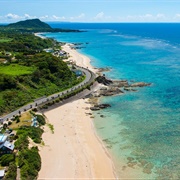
(51, 127)
(16, 70)
(33, 25)
(40, 119)
(25, 43)
(30, 24)
(12, 171)
(5, 40)
(6, 159)
(29, 72)
(66, 96)
(24, 132)
(29, 162)
(28, 159)
(22, 142)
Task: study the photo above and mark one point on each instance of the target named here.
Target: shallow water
(141, 129)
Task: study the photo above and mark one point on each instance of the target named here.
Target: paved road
(90, 76)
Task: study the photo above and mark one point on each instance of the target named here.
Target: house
(34, 122)
(6, 147)
(49, 50)
(77, 72)
(62, 53)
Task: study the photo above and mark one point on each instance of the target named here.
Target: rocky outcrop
(103, 80)
(129, 89)
(106, 69)
(99, 106)
(94, 108)
(110, 91)
(140, 84)
(116, 87)
(102, 106)
(120, 83)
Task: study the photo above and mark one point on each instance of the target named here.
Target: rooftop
(2, 138)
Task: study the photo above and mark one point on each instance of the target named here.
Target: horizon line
(109, 22)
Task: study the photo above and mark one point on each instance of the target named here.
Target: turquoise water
(141, 129)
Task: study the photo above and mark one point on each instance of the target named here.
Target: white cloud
(57, 18)
(12, 16)
(99, 16)
(27, 16)
(161, 16)
(44, 17)
(82, 15)
(62, 18)
(102, 17)
(79, 17)
(177, 17)
(145, 18)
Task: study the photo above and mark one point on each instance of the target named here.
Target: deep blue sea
(142, 129)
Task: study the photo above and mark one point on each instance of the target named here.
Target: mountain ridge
(30, 23)
(33, 25)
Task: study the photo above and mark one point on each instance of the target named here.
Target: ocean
(141, 130)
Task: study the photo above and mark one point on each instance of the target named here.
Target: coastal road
(90, 76)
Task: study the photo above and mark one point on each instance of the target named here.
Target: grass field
(16, 70)
(5, 40)
(25, 120)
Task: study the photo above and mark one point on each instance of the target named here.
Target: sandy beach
(78, 58)
(74, 151)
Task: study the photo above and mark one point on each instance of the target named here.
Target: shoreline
(96, 157)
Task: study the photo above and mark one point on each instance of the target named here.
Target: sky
(90, 10)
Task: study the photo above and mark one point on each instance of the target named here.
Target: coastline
(74, 150)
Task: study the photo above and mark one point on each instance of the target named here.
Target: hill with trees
(33, 25)
(28, 72)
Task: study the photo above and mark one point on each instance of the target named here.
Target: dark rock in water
(140, 84)
(94, 108)
(111, 91)
(77, 44)
(103, 80)
(102, 106)
(104, 69)
(129, 89)
(120, 83)
(89, 114)
(102, 116)
(113, 87)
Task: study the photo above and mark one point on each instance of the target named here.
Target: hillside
(32, 25)
(27, 72)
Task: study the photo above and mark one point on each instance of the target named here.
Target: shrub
(9, 123)
(4, 126)
(6, 159)
(30, 163)
(22, 142)
(34, 133)
(35, 109)
(12, 171)
(41, 119)
(17, 120)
